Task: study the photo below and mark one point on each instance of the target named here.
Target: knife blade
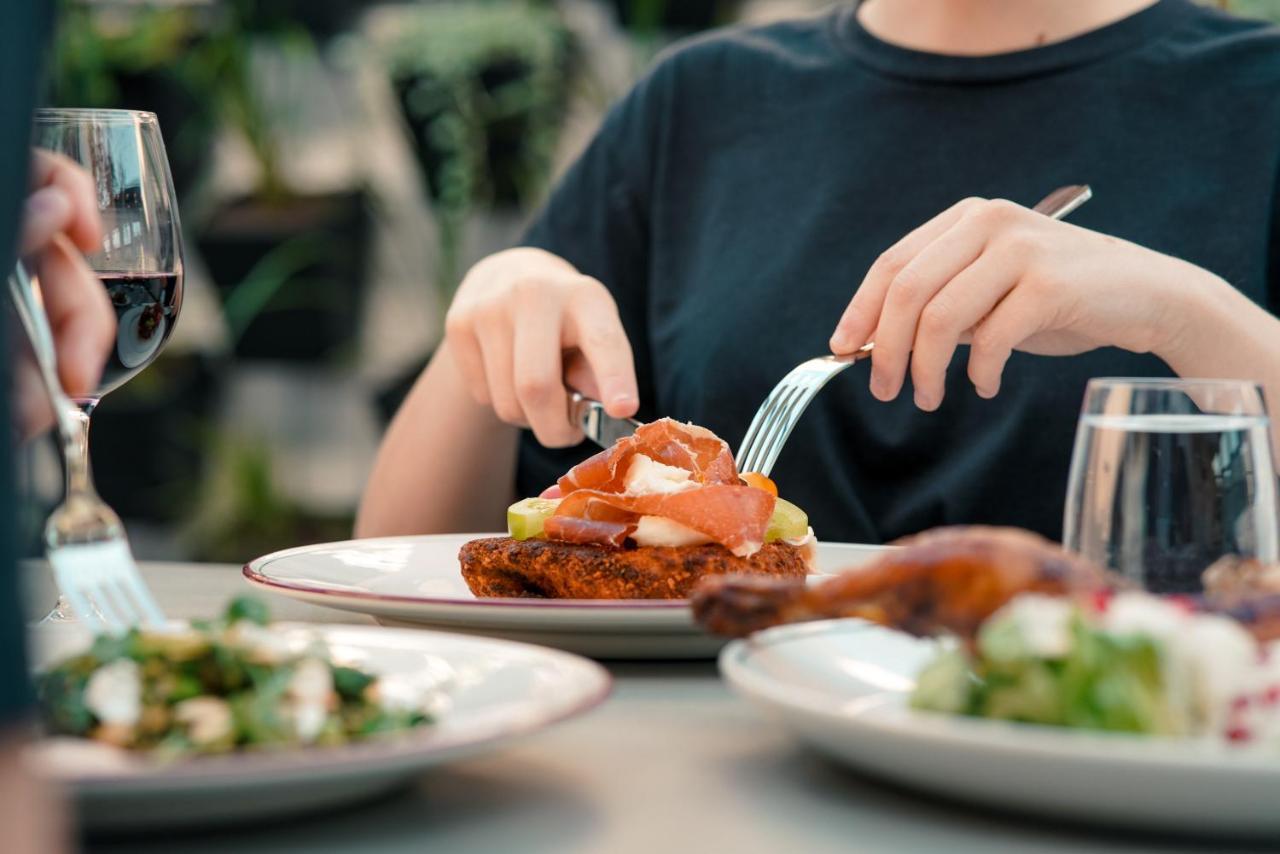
(599, 426)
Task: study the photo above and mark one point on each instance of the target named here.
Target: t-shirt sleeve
(597, 219)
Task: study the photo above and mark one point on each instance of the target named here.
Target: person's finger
(496, 349)
(46, 213)
(460, 338)
(902, 321)
(1014, 320)
(539, 373)
(863, 312)
(33, 413)
(958, 307)
(50, 169)
(80, 315)
(578, 376)
(592, 325)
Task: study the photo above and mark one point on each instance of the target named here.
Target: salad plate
(843, 688)
(484, 693)
(417, 581)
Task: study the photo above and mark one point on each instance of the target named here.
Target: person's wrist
(1192, 316)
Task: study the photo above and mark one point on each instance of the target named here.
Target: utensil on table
(781, 410)
(1168, 475)
(84, 539)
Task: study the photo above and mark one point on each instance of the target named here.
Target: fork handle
(35, 321)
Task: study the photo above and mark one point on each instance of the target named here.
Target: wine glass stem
(79, 475)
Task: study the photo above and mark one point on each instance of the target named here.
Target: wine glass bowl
(140, 260)
(1168, 475)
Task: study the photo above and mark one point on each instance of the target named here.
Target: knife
(596, 424)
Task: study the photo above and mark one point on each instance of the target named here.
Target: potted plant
(483, 89)
(290, 264)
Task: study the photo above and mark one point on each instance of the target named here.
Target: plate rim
(1023, 741)
(253, 572)
(395, 754)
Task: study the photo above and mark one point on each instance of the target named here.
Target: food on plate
(645, 519)
(947, 580)
(1128, 662)
(219, 686)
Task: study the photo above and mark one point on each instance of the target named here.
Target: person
(59, 220)
(743, 209)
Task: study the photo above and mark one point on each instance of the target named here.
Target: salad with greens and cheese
(1124, 662)
(219, 686)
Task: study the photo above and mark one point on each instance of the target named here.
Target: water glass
(1168, 475)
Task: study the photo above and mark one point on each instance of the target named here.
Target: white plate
(417, 581)
(493, 690)
(842, 687)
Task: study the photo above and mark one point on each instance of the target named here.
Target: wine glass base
(62, 613)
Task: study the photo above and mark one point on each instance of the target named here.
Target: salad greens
(218, 686)
(1102, 680)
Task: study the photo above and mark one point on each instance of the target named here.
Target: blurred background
(340, 164)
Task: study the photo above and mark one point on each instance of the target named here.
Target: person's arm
(523, 323)
(1003, 278)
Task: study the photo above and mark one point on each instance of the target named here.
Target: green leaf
(350, 682)
(247, 608)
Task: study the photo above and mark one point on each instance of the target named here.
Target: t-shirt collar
(1124, 34)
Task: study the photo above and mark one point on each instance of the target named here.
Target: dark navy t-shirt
(735, 199)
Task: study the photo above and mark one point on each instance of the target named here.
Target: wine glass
(140, 261)
(1168, 475)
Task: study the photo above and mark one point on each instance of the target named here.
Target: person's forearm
(1225, 335)
(447, 464)
(31, 816)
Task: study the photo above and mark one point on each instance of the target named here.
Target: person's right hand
(524, 323)
(60, 221)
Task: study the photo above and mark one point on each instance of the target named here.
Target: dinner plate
(417, 581)
(489, 691)
(842, 687)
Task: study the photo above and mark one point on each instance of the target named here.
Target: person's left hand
(60, 221)
(1002, 277)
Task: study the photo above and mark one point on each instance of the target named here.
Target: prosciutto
(596, 507)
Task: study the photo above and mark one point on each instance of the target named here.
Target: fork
(777, 416)
(84, 538)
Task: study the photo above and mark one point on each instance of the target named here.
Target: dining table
(672, 761)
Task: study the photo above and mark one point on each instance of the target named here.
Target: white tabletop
(672, 762)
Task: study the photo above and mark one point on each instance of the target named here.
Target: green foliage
(483, 87)
(1267, 10)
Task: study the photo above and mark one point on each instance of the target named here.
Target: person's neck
(978, 27)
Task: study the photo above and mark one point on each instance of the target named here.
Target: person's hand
(60, 221)
(1002, 277)
(524, 323)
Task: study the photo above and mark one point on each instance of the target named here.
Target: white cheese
(311, 692)
(658, 531)
(1044, 623)
(114, 693)
(208, 719)
(647, 476)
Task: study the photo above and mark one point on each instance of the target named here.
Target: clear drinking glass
(1168, 475)
(140, 262)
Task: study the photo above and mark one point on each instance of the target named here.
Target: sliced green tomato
(526, 518)
(789, 522)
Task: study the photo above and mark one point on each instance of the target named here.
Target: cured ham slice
(570, 529)
(596, 506)
(734, 516)
(694, 449)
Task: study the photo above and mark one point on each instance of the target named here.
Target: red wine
(146, 306)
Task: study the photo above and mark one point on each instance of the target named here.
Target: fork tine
(782, 427)
(751, 444)
(145, 610)
(782, 403)
(111, 616)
